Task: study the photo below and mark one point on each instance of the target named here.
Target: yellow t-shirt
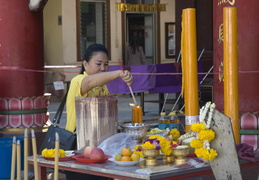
(75, 91)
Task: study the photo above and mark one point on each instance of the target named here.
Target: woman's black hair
(134, 44)
(90, 51)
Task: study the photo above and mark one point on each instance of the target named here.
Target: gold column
(190, 68)
(231, 107)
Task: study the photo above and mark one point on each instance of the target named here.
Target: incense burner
(137, 130)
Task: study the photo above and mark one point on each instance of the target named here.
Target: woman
(135, 53)
(91, 80)
(90, 83)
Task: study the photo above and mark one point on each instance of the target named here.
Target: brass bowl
(150, 152)
(181, 151)
(169, 159)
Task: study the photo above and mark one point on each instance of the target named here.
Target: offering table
(110, 169)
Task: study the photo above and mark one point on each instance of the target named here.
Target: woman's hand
(127, 77)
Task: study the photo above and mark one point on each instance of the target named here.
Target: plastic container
(162, 122)
(174, 121)
(6, 156)
(96, 119)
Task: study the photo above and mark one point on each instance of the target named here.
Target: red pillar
(21, 47)
(21, 39)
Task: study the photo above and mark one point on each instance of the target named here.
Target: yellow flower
(166, 147)
(207, 134)
(208, 155)
(148, 145)
(175, 133)
(62, 153)
(197, 127)
(51, 153)
(196, 143)
(138, 152)
(200, 151)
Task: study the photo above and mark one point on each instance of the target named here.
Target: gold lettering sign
(140, 7)
(231, 2)
(221, 36)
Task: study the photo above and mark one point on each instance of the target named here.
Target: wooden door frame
(157, 35)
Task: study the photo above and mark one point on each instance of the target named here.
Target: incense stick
(13, 158)
(56, 157)
(18, 160)
(133, 96)
(131, 92)
(35, 155)
(26, 154)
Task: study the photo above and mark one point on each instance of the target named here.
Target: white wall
(116, 34)
(69, 31)
(62, 47)
(167, 16)
(53, 50)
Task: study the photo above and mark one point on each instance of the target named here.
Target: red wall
(248, 53)
(21, 40)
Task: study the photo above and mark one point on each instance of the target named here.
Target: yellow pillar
(231, 107)
(190, 71)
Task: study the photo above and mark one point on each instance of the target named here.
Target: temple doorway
(142, 26)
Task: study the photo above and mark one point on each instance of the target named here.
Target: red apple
(97, 153)
(87, 151)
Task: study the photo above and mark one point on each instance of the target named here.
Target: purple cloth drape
(141, 82)
(167, 83)
(151, 83)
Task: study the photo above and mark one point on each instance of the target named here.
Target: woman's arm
(99, 79)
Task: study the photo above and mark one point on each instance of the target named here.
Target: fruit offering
(87, 151)
(127, 155)
(93, 153)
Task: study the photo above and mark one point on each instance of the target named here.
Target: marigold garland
(205, 134)
(207, 154)
(196, 143)
(197, 127)
(175, 133)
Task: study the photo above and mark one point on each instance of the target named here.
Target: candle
(25, 154)
(137, 114)
(190, 71)
(18, 160)
(13, 158)
(56, 157)
(34, 152)
(230, 49)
